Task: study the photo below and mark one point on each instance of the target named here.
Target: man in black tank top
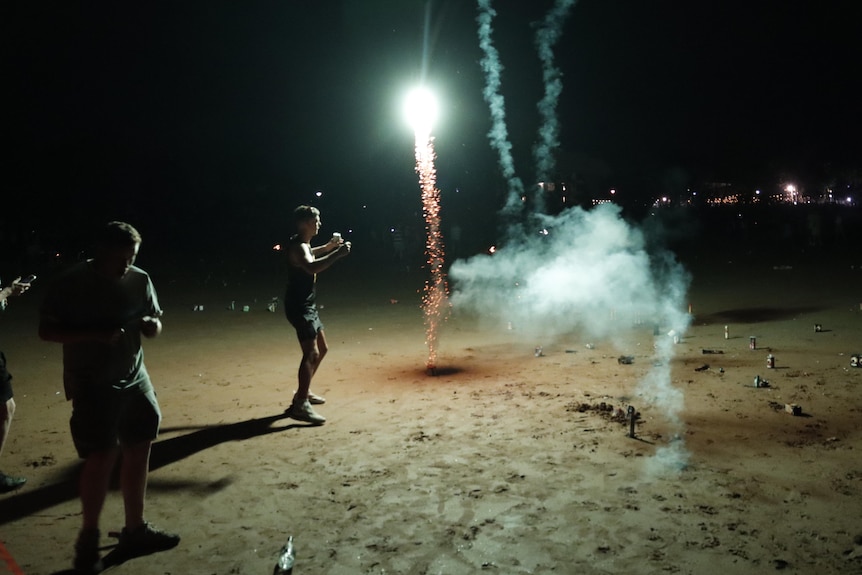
(304, 263)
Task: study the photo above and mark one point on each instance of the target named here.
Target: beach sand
(503, 462)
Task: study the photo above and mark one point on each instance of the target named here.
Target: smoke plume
(585, 273)
(498, 135)
(546, 37)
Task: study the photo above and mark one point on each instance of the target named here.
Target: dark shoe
(9, 483)
(87, 560)
(304, 412)
(144, 540)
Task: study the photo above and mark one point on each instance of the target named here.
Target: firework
(421, 109)
(434, 296)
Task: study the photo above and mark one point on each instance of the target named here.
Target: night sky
(218, 117)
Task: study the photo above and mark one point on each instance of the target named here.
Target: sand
(503, 462)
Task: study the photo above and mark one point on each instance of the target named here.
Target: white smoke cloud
(580, 271)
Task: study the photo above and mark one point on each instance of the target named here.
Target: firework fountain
(421, 111)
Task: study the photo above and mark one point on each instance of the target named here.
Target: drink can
(752, 343)
(726, 332)
(770, 361)
(817, 328)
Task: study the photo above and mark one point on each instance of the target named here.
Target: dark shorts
(107, 417)
(306, 321)
(5, 381)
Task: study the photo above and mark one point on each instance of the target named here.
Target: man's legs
(139, 537)
(7, 410)
(313, 351)
(134, 470)
(93, 487)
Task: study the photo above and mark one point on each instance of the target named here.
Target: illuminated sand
(489, 464)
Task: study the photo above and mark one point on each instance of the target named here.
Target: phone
(28, 279)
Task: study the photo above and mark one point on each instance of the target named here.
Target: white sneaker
(304, 412)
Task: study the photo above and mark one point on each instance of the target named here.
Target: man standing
(98, 310)
(7, 402)
(304, 263)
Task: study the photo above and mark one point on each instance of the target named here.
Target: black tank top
(300, 292)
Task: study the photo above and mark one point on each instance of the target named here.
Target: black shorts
(5, 381)
(108, 417)
(306, 321)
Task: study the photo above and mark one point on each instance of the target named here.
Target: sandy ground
(502, 463)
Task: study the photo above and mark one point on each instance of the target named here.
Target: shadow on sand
(165, 452)
(754, 315)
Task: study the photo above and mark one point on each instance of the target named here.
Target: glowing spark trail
(421, 110)
(434, 298)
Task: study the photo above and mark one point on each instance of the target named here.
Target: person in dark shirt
(99, 310)
(304, 263)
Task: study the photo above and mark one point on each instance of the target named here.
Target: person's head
(307, 220)
(117, 245)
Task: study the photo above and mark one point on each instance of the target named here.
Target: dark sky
(226, 114)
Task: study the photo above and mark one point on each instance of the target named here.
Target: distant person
(815, 229)
(98, 310)
(398, 244)
(7, 402)
(304, 263)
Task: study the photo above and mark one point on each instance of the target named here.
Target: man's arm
(302, 256)
(333, 244)
(15, 288)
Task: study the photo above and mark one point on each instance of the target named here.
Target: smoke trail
(498, 135)
(546, 37)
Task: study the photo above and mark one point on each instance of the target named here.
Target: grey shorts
(306, 322)
(105, 418)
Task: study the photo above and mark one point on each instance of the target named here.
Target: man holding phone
(305, 262)
(7, 402)
(99, 310)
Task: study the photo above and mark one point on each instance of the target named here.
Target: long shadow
(754, 315)
(65, 488)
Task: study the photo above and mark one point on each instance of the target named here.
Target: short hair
(302, 213)
(115, 234)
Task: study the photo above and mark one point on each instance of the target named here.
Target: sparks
(422, 111)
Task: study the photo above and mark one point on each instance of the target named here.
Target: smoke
(587, 275)
(546, 37)
(584, 270)
(581, 272)
(498, 135)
